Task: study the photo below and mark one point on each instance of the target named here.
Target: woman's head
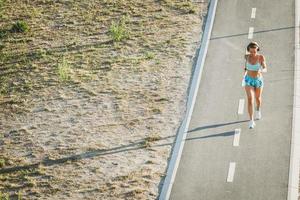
(253, 47)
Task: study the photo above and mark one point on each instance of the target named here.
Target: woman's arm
(246, 57)
(245, 69)
(263, 63)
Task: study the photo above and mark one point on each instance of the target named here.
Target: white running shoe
(251, 124)
(258, 115)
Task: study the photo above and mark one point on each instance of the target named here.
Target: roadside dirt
(106, 131)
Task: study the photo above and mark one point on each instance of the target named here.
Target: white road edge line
(250, 34)
(253, 12)
(193, 90)
(236, 139)
(231, 171)
(293, 185)
(241, 106)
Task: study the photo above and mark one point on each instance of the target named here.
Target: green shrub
(2, 162)
(3, 34)
(118, 30)
(4, 196)
(19, 27)
(149, 55)
(64, 70)
(2, 2)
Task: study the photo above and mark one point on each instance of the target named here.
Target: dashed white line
(253, 13)
(250, 34)
(231, 172)
(236, 139)
(241, 106)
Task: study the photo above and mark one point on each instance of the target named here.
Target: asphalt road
(262, 157)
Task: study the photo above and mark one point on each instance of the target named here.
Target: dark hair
(253, 45)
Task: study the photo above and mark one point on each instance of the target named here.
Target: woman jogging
(253, 80)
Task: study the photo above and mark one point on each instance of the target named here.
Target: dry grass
(90, 78)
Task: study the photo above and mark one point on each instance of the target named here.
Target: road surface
(222, 158)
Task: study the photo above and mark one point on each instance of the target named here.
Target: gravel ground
(83, 115)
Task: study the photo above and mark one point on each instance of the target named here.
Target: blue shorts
(254, 82)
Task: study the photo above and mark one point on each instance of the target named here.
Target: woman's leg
(249, 92)
(258, 92)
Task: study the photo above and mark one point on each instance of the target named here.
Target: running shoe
(258, 115)
(251, 124)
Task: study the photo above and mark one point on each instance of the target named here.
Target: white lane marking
(236, 139)
(250, 34)
(231, 172)
(253, 13)
(241, 106)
